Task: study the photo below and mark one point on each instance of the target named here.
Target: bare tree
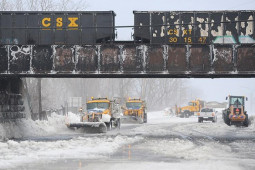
(46, 5)
(64, 5)
(5, 5)
(32, 5)
(19, 5)
(43, 5)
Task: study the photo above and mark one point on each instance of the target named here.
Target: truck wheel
(246, 121)
(102, 128)
(199, 120)
(226, 119)
(186, 114)
(109, 125)
(145, 118)
(118, 123)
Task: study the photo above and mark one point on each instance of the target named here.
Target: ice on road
(164, 142)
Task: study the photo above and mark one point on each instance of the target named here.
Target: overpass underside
(126, 59)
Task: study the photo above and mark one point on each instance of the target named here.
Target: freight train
(153, 27)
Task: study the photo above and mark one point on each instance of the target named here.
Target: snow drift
(27, 127)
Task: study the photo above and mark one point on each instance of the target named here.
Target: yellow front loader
(236, 114)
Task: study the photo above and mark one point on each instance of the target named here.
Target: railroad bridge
(212, 44)
(127, 59)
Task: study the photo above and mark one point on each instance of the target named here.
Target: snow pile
(13, 153)
(27, 127)
(159, 124)
(72, 118)
(160, 117)
(190, 150)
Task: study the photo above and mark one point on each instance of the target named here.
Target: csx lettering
(46, 22)
(173, 32)
(73, 22)
(59, 22)
(187, 31)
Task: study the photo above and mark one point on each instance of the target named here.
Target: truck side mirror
(226, 98)
(246, 98)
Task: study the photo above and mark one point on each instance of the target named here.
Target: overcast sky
(124, 8)
(211, 89)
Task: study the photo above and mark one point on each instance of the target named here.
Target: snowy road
(164, 142)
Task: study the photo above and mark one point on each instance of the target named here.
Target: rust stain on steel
(87, 59)
(131, 61)
(3, 59)
(19, 58)
(64, 59)
(155, 59)
(200, 59)
(42, 61)
(246, 59)
(109, 59)
(113, 59)
(176, 59)
(223, 59)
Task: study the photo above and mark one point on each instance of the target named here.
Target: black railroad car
(56, 27)
(194, 27)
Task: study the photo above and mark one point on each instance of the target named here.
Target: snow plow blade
(130, 119)
(91, 127)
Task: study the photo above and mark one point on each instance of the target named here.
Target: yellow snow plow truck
(101, 115)
(193, 107)
(135, 110)
(235, 114)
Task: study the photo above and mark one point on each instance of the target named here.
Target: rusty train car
(154, 27)
(194, 27)
(56, 28)
(166, 44)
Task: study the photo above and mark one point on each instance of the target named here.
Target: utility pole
(39, 85)
(42, 115)
(121, 91)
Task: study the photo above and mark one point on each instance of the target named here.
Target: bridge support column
(14, 102)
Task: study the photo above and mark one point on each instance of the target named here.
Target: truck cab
(190, 109)
(100, 113)
(135, 109)
(98, 110)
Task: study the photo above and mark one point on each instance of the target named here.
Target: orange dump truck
(189, 110)
(101, 115)
(135, 110)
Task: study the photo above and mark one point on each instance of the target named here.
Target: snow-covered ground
(27, 127)
(164, 142)
(15, 153)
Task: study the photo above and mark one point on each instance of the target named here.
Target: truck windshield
(236, 101)
(190, 104)
(134, 105)
(99, 105)
(207, 110)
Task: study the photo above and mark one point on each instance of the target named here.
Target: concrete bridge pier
(14, 100)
